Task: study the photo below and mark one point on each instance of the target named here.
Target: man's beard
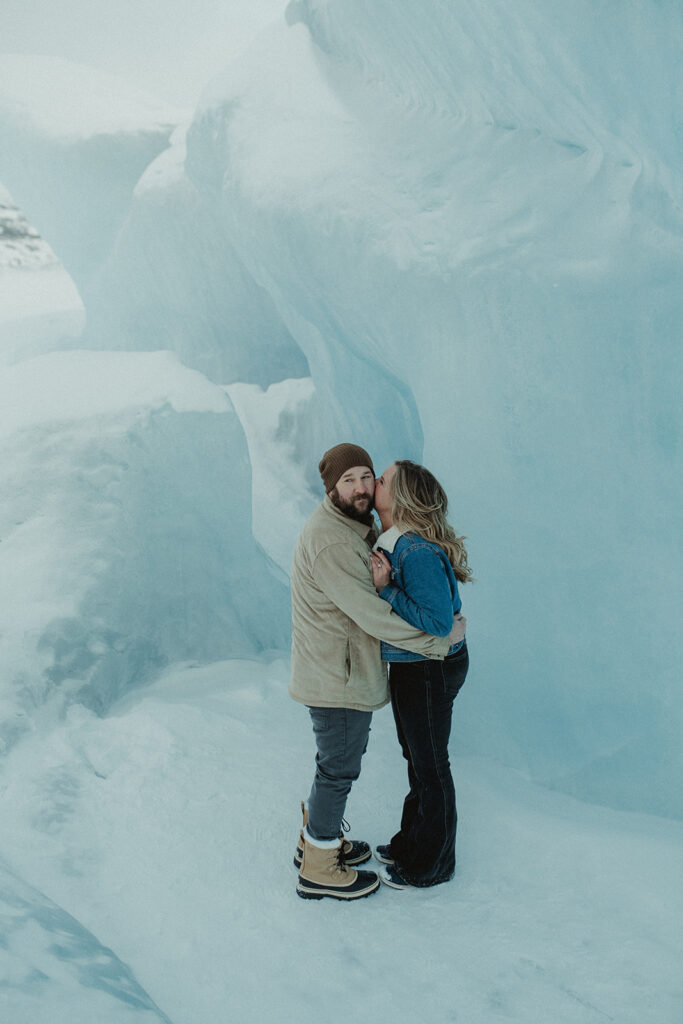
(362, 514)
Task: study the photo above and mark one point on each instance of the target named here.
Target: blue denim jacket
(423, 588)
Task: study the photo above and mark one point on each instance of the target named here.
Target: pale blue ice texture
(488, 274)
(54, 969)
(467, 227)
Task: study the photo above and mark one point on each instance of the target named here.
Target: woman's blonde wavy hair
(419, 504)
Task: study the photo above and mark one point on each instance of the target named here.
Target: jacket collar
(387, 540)
(360, 528)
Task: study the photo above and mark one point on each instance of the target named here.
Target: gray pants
(342, 738)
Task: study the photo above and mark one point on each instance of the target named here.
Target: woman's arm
(427, 600)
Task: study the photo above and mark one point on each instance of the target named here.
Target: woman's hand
(381, 570)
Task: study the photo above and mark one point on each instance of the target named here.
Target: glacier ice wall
(466, 225)
(174, 280)
(470, 221)
(100, 168)
(126, 531)
(74, 143)
(126, 514)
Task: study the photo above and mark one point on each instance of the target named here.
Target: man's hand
(458, 632)
(381, 570)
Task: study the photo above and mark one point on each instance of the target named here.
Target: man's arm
(345, 578)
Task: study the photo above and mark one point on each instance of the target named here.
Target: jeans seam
(439, 774)
(410, 749)
(342, 754)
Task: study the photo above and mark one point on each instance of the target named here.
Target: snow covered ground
(167, 830)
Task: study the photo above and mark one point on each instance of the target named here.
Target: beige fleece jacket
(338, 619)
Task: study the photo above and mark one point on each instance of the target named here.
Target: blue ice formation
(472, 228)
(55, 969)
(126, 530)
(465, 223)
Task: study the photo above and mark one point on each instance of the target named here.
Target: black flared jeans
(422, 695)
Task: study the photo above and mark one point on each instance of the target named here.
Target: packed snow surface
(167, 829)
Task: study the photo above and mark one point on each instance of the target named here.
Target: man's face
(354, 491)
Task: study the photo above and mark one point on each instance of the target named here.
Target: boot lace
(341, 862)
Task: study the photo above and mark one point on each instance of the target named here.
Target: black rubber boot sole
(312, 891)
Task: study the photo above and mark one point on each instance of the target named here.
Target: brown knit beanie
(340, 458)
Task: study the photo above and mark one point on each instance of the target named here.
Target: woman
(416, 566)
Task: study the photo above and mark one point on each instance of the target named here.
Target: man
(338, 620)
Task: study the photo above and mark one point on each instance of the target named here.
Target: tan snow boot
(355, 851)
(324, 872)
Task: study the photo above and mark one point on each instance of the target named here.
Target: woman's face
(383, 490)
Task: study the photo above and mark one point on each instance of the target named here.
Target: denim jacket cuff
(389, 593)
